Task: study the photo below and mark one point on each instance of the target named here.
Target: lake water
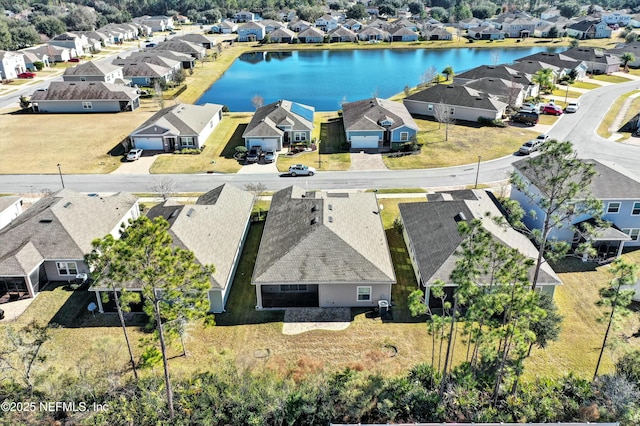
(324, 79)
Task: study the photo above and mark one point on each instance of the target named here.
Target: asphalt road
(579, 128)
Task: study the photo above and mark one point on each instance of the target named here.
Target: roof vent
(330, 219)
(460, 217)
(314, 220)
(174, 213)
(330, 206)
(190, 212)
(67, 204)
(314, 208)
(46, 220)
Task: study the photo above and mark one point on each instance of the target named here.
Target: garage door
(152, 144)
(358, 142)
(265, 144)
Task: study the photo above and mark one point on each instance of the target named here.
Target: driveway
(363, 161)
(138, 167)
(259, 168)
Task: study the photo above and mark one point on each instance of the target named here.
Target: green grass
(607, 122)
(398, 190)
(561, 93)
(585, 85)
(610, 78)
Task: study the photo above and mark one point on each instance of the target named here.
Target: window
(67, 268)
(452, 110)
(364, 294)
(404, 136)
(634, 233)
(613, 207)
(285, 288)
(87, 105)
(636, 209)
(188, 141)
(300, 136)
(430, 107)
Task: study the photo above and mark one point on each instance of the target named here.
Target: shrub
(491, 122)
(193, 151)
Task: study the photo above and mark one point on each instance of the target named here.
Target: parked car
(530, 107)
(172, 33)
(150, 45)
(269, 156)
(526, 117)
(572, 106)
(74, 60)
(134, 154)
(254, 154)
(542, 138)
(301, 170)
(27, 74)
(530, 146)
(552, 109)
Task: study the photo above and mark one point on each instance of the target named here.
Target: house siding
(624, 218)
(460, 112)
(395, 134)
(10, 213)
(345, 295)
(76, 106)
(52, 271)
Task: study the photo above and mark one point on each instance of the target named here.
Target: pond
(325, 79)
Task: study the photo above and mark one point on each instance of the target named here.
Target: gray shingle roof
(496, 86)
(182, 119)
(100, 68)
(266, 119)
(458, 95)
(61, 226)
(85, 91)
(591, 54)
(368, 113)
(213, 228)
(495, 71)
(323, 238)
(144, 69)
(432, 228)
(608, 184)
(181, 46)
(311, 32)
(557, 59)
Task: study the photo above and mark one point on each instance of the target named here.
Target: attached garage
(151, 144)
(265, 143)
(363, 142)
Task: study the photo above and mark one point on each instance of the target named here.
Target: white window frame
(609, 205)
(188, 141)
(87, 105)
(65, 268)
(299, 136)
(633, 233)
(635, 207)
(368, 293)
(404, 136)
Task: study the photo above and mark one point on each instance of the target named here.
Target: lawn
(610, 78)
(465, 143)
(607, 122)
(38, 142)
(561, 93)
(218, 153)
(585, 85)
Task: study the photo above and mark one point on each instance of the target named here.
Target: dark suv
(528, 118)
(254, 154)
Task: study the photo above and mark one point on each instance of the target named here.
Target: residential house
(406, 23)
(373, 34)
(634, 22)
(282, 35)
(48, 242)
(459, 102)
(300, 25)
(633, 47)
(377, 124)
(182, 46)
(342, 34)
(182, 20)
(225, 27)
(145, 74)
(85, 96)
(71, 41)
(521, 27)
(251, 31)
(619, 192)
(95, 71)
(200, 39)
(327, 22)
(619, 18)
(271, 25)
(589, 29)
(214, 229)
(177, 127)
(244, 16)
(435, 32)
(560, 60)
(11, 64)
(52, 53)
(486, 32)
(30, 59)
(550, 13)
(116, 33)
(372, 10)
(311, 35)
(433, 241)
(507, 91)
(174, 65)
(323, 249)
(279, 124)
(156, 23)
(545, 30)
(598, 61)
(186, 61)
(380, 24)
(532, 67)
(105, 38)
(468, 23)
(353, 25)
(403, 34)
(10, 208)
(504, 72)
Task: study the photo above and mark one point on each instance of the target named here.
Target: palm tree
(626, 58)
(448, 71)
(543, 78)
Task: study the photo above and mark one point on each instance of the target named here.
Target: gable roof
(368, 113)
(323, 238)
(181, 46)
(432, 228)
(458, 95)
(60, 226)
(591, 54)
(85, 91)
(496, 71)
(182, 119)
(496, 86)
(266, 119)
(311, 32)
(144, 69)
(557, 59)
(213, 228)
(608, 184)
(196, 38)
(98, 68)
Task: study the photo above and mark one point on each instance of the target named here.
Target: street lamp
(60, 171)
(318, 148)
(477, 172)
(566, 94)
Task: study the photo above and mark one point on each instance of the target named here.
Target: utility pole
(60, 171)
(477, 172)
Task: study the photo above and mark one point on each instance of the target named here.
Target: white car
(301, 170)
(572, 107)
(134, 154)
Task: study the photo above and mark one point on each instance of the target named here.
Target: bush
(193, 151)
(491, 122)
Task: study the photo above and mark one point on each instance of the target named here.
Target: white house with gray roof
(323, 249)
(11, 64)
(197, 51)
(10, 208)
(95, 71)
(177, 127)
(85, 96)
(432, 238)
(214, 229)
(145, 74)
(49, 240)
(278, 124)
(377, 124)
